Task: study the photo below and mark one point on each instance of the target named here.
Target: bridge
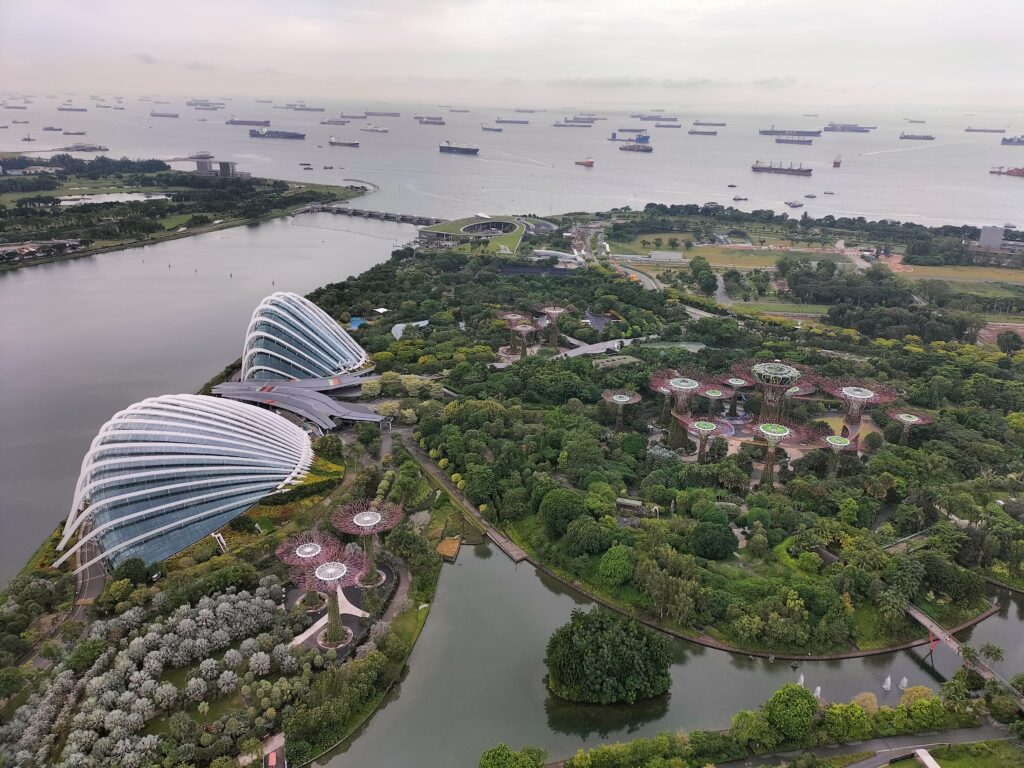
(939, 633)
(341, 209)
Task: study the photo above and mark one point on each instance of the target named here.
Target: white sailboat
(903, 684)
(887, 685)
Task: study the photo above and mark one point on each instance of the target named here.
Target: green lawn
(984, 754)
(769, 307)
(966, 274)
(722, 257)
(869, 631)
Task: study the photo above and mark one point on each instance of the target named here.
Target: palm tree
(970, 655)
(992, 652)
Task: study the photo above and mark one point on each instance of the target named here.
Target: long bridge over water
(341, 209)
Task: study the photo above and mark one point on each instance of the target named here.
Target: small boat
(328, 167)
(339, 143)
(19, 122)
(810, 196)
(28, 138)
(731, 186)
(52, 128)
(794, 204)
(903, 684)
(588, 163)
(371, 128)
(738, 198)
(492, 128)
(828, 192)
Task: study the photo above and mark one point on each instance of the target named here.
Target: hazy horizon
(728, 55)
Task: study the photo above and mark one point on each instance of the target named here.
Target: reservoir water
(476, 676)
(82, 339)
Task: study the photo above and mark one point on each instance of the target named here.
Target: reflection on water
(476, 676)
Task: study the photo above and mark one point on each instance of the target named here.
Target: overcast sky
(735, 54)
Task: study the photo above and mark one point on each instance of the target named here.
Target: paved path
(505, 544)
(344, 607)
(885, 749)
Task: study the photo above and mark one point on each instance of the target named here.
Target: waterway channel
(476, 676)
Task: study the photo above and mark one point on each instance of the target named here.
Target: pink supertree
(329, 578)
(836, 444)
(703, 429)
(714, 393)
(658, 382)
(775, 434)
(908, 419)
(553, 313)
(735, 383)
(773, 378)
(366, 519)
(309, 547)
(856, 396)
(620, 398)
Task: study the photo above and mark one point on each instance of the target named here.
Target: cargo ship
(1001, 171)
(789, 170)
(588, 163)
(510, 121)
(695, 132)
(343, 116)
(919, 122)
(572, 124)
(459, 111)
(85, 148)
(52, 128)
(459, 149)
(491, 128)
(738, 198)
(371, 128)
(794, 204)
(848, 128)
(431, 121)
(837, 162)
(984, 130)
(341, 143)
(308, 109)
(14, 106)
(640, 138)
(383, 114)
(669, 125)
(263, 133)
(654, 118)
(72, 109)
(710, 123)
(917, 137)
(163, 114)
(264, 101)
(236, 121)
(636, 147)
(74, 133)
(632, 130)
(528, 111)
(773, 131)
(334, 121)
(793, 140)
(1012, 141)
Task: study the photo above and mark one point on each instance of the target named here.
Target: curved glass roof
(289, 337)
(167, 471)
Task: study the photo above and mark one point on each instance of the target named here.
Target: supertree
(308, 547)
(683, 388)
(365, 519)
(703, 429)
(553, 313)
(773, 378)
(857, 397)
(658, 382)
(523, 329)
(908, 420)
(329, 578)
(836, 444)
(714, 393)
(806, 386)
(775, 433)
(620, 398)
(513, 319)
(735, 383)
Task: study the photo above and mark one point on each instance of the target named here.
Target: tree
(559, 508)
(752, 729)
(585, 536)
(502, 756)
(914, 694)
(616, 566)
(847, 722)
(991, 652)
(792, 710)
(1009, 342)
(580, 456)
(133, 569)
(712, 541)
(600, 658)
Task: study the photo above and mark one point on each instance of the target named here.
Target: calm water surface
(85, 338)
(476, 676)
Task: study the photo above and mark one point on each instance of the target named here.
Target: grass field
(770, 307)
(984, 754)
(967, 274)
(722, 257)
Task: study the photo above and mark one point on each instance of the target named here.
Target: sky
(729, 54)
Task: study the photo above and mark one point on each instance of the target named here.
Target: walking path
(344, 607)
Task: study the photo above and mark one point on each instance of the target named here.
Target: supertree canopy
(658, 382)
(329, 577)
(308, 547)
(836, 444)
(620, 398)
(553, 313)
(683, 386)
(703, 429)
(856, 396)
(714, 393)
(364, 518)
(773, 378)
(523, 329)
(908, 420)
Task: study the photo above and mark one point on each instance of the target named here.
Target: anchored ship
(588, 163)
(792, 140)
(85, 148)
(789, 170)
(773, 131)
(459, 149)
(1012, 141)
(371, 128)
(636, 147)
(236, 121)
(510, 121)
(1001, 171)
(491, 128)
(984, 130)
(917, 136)
(74, 133)
(72, 109)
(709, 122)
(383, 114)
(572, 124)
(163, 114)
(695, 132)
(849, 128)
(341, 143)
(669, 125)
(52, 128)
(334, 121)
(263, 133)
